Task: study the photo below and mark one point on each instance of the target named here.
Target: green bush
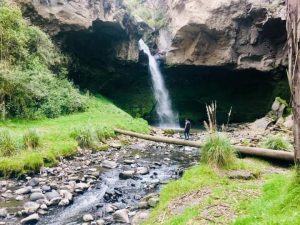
(276, 142)
(33, 72)
(217, 151)
(31, 139)
(84, 137)
(8, 145)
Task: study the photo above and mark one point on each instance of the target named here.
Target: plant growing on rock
(8, 145)
(218, 151)
(276, 142)
(31, 139)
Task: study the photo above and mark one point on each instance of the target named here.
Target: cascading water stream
(167, 118)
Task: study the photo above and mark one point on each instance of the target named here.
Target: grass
(276, 142)
(217, 151)
(279, 203)
(222, 191)
(31, 139)
(55, 135)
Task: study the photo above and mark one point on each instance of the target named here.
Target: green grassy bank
(206, 196)
(55, 134)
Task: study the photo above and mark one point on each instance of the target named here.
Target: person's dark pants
(187, 135)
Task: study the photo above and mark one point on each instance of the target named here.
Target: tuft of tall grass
(218, 151)
(8, 144)
(84, 137)
(103, 133)
(31, 139)
(276, 142)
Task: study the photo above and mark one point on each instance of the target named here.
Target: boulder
(32, 219)
(36, 196)
(121, 216)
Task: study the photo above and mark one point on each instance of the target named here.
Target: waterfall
(167, 118)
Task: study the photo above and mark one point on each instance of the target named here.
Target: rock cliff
(242, 33)
(111, 18)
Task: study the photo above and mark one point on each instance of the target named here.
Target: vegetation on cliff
(33, 72)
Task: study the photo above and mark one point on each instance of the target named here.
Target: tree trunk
(293, 31)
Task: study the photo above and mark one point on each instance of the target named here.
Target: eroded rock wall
(242, 33)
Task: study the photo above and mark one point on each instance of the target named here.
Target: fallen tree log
(252, 151)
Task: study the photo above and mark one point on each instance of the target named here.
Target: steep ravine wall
(229, 51)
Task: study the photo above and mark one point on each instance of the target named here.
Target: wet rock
(64, 202)
(109, 164)
(55, 201)
(23, 191)
(142, 170)
(127, 174)
(242, 175)
(3, 212)
(34, 182)
(32, 219)
(52, 194)
(129, 161)
(31, 207)
(81, 186)
(116, 145)
(121, 216)
(36, 196)
(42, 212)
(87, 218)
(44, 206)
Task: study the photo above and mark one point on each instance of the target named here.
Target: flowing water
(164, 162)
(167, 118)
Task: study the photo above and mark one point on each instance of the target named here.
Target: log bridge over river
(251, 151)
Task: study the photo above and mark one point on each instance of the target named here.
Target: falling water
(167, 117)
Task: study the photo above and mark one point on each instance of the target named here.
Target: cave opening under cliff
(249, 92)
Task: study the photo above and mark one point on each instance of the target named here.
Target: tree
(293, 32)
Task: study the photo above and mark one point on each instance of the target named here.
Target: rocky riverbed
(111, 187)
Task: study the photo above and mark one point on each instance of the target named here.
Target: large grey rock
(36, 196)
(31, 207)
(52, 194)
(23, 191)
(32, 219)
(121, 216)
(34, 182)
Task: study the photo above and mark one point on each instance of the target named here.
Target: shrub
(8, 145)
(84, 137)
(31, 139)
(217, 151)
(276, 142)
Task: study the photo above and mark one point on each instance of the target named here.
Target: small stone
(34, 182)
(127, 174)
(87, 218)
(52, 194)
(64, 202)
(32, 219)
(121, 216)
(129, 161)
(109, 164)
(46, 188)
(242, 175)
(142, 170)
(19, 197)
(143, 205)
(100, 222)
(153, 201)
(3, 212)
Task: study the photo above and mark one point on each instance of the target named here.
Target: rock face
(243, 33)
(61, 16)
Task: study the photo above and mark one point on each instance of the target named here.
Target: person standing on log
(187, 128)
